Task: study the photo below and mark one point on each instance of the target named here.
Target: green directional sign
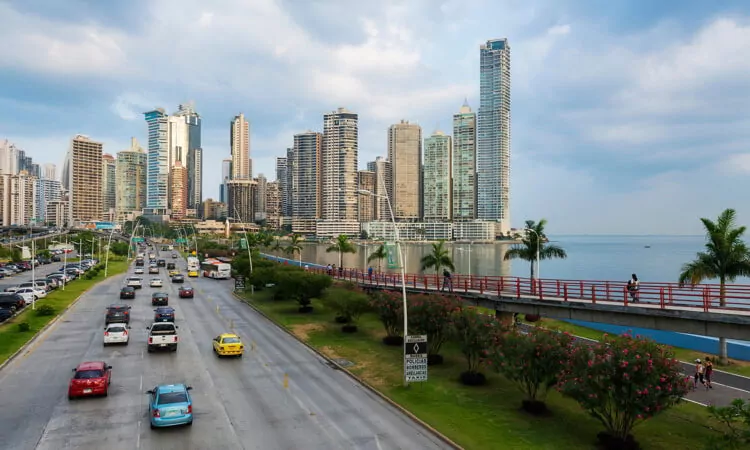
(181, 241)
(243, 244)
(392, 252)
(138, 239)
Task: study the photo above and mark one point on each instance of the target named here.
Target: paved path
(239, 403)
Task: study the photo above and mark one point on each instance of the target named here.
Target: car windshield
(187, 289)
(88, 374)
(116, 329)
(231, 340)
(168, 398)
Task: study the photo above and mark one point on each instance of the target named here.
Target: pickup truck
(162, 336)
(134, 282)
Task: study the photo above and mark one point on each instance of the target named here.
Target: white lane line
(141, 354)
(141, 385)
(731, 387)
(377, 442)
(138, 439)
(693, 401)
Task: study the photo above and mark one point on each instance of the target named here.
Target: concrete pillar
(505, 318)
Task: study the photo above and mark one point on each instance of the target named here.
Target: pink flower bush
(430, 314)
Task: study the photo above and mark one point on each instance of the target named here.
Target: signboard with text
(392, 253)
(415, 358)
(239, 283)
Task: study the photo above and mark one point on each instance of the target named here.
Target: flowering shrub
(430, 314)
(474, 333)
(532, 361)
(388, 305)
(348, 304)
(301, 286)
(622, 381)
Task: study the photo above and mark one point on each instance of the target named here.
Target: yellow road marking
(286, 381)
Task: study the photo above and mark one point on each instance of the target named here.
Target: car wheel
(189, 423)
(153, 426)
(106, 392)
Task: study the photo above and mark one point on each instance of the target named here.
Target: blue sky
(628, 117)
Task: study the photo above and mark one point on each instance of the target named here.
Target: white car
(134, 282)
(39, 293)
(155, 282)
(116, 333)
(139, 271)
(27, 297)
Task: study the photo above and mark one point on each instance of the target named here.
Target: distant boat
(646, 246)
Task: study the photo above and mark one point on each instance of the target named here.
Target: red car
(91, 378)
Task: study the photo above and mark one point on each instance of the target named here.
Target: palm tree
(437, 259)
(295, 246)
(378, 255)
(726, 257)
(342, 245)
(276, 245)
(527, 250)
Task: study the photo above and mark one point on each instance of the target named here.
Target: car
(174, 255)
(178, 278)
(116, 333)
(37, 293)
(173, 272)
(171, 266)
(192, 273)
(155, 282)
(228, 344)
(186, 292)
(138, 271)
(5, 314)
(90, 378)
(28, 297)
(161, 263)
(164, 314)
(134, 282)
(153, 270)
(127, 292)
(139, 262)
(170, 405)
(160, 299)
(11, 302)
(117, 314)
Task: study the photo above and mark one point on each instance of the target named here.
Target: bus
(213, 268)
(193, 264)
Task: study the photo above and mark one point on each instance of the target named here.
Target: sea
(589, 257)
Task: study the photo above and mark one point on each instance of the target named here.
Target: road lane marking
(286, 381)
(140, 388)
(731, 387)
(138, 439)
(377, 442)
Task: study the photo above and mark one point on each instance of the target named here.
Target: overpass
(661, 306)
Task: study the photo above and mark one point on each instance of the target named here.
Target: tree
(474, 334)
(294, 246)
(527, 250)
(622, 381)
(726, 257)
(119, 248)
(389, 307)
(437, 259)
(531, 361)
(301, 286)
(430, 314)
(342, 245)
(736, 421)
(378, 255)
(348, 304)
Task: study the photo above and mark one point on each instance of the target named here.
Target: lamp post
(469, 252)
(247, 242)
(132, 235)
(538, 238)
(403, 267)
(65, 260)
(195, 239)
(106, 258)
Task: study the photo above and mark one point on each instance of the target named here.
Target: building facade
(157, 172)
(493, 132)
(405, 155)
(239, 140)
(18, 193)
(307, 179)
(259, 198)
(367, 202)
(109, 187)
(240, 204)
(339, 165)
(49, 171)
(464, 164)
(179, 190)
(273, 205)
(284, 191)
(8, 158)
(226, 175)
(130, 182)
(47, 191)
(193, 161)
(383, 187)
(85, 180)
(437, 178)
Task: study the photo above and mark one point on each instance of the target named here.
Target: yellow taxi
(193, 273)
(173, 272)
(228, 344)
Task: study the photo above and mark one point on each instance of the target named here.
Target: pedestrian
(341, 271)
(699, 374)
(369, 273)
(333, 269)
(307, 268)
(634, 286)
(708, 371)
(328, 270)
(447, 280)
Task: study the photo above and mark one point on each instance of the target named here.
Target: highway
(238, 403)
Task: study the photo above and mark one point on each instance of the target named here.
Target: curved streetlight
(401, 262)
(247, 241)
(106, 258)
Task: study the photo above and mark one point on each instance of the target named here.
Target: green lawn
(11, 339)
(474, 417)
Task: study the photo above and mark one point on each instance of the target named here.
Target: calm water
(589, 257)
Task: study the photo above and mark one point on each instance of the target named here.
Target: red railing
(664, 295)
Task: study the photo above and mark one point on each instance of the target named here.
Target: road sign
(391, 252)
(239, 283)
(415, 358)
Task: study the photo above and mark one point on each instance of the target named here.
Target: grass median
(11, 339)
(474, 417)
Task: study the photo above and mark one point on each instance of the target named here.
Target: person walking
(708, 371)
(634, 287)
(369, 273)
(447, 281)
(699, 374)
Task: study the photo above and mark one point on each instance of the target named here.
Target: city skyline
(603, 125)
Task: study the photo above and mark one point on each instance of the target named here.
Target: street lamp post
(538, 238)
(247, 242)
(195, 239)
(469, 252)
(65, 260)
(106, 258)
(403, 267)
(132, 235)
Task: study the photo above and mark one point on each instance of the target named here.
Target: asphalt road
(238, 403)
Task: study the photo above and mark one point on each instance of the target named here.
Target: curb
(39, 333)
(369, 387)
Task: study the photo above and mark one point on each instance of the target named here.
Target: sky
(628, 117)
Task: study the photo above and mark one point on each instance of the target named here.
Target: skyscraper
(464, 164)
(130, 180)
(8, 158)
(284, 191)
(85, 180)
(157, 173)
(179, 190)
(239, 140)
(47, 192)
(226, 175)
(367, 202)
(18, 193)
(259, 197)
(49, 171)
(405, 155)
(339, 165)
(493, 132)
(437, 178)
(383, 187)
(306, 189)
(109, 187)
(192, 153)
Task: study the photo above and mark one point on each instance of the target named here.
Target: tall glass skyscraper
(157, 171)
(464, 164)
(493, 132)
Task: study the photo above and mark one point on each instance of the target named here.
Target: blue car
(170, 405)
(164, 314)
